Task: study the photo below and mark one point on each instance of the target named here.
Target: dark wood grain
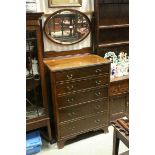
(80, 104)
(111, 23)
(111, 20)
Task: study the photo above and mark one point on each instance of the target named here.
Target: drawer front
(82, 72)
(81, 97)
(82, 84)
(82, 110)
(117, 106)
(119, 87)
(84, 124)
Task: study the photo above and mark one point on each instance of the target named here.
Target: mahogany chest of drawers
(80, 93)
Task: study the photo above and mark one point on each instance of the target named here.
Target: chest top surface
(75, 62)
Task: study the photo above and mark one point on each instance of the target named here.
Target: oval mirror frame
(68, 30)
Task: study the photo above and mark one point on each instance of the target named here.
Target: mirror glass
(67, 26)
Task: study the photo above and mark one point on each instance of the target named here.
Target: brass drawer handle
(70, 76)
(71, 128)
(97, 106)
(97, 120)
(98, 70)
(115, 90)
(70, 99)
(98, 82)
(98, 93)
(70, 87)
(71, 114)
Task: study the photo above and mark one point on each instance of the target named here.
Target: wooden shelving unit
(111, 22)
(111, 26)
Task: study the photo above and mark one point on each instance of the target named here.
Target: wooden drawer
(83, 124)
(81, 97)
(82, 84)
(117, 106)
(119, 87)
(81, 110)
(72, 74)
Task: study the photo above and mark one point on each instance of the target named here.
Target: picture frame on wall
(64, 3)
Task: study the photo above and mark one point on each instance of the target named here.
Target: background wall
(87, 7)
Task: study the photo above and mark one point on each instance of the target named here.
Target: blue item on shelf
(33, 143)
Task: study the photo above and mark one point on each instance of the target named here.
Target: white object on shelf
(35, 66)
(31, 5)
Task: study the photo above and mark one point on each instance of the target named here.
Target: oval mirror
(67, 26)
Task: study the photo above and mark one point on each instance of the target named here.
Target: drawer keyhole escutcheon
(97, 106)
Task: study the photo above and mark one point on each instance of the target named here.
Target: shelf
(114, 44)
(31, 39)
(115, 79)
(29, 51)
(113, 26)
(32, 83)
(104, 2)
(36, 123)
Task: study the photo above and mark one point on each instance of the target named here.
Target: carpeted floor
(93, 143)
